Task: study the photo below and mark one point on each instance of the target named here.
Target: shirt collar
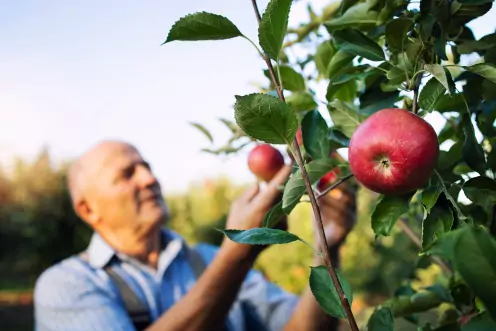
(100, 253)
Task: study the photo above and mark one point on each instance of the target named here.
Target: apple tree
(389, 68)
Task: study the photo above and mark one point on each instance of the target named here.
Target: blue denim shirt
(75, 295)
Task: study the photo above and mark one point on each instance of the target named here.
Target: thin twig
(415, 239)
(415, 92)
(345, 178)
(323, 241)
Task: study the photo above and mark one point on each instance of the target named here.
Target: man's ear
(85, 212)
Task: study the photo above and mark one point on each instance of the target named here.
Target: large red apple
(393, 152)
(265, 161)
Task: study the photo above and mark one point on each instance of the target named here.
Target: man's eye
(128, 173)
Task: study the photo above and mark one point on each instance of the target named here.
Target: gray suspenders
(138, 311)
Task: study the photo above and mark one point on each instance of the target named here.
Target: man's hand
(338, 210)
(248, 211)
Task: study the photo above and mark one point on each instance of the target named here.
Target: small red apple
(393, 152)
(328, 179)
(264, 161)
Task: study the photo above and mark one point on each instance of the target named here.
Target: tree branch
(415, 239)
(316, 210)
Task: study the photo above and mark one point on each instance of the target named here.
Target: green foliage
(322, 288)
(387, 211)
(203, 26)
(378, 54)
(265, 118)
(260, 236)
(314, 135)
(39, 226)
(295, 187)
(381, 320)
(273, 26)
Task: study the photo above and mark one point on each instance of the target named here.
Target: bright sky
(75, 72)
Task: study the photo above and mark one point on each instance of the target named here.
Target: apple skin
(264, 161)
(328, 179)
(299, 136)
(393, 152)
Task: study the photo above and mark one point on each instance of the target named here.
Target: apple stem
(345, 178)
(415, 92)
(316, 210)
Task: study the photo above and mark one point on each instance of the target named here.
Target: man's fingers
(250, 193)
(274, 187)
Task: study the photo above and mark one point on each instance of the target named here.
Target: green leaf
(314, 130)
(301, 101)
(356, 72)
(204, 130)
(442, 75)
(397, 75)
(448, 160)
(430, 94)
(381, 320)
(397, 33)
(295, 187)
(439, 221)
(354, 42)
(345, 92)
(273, 216)
(324, 291)
(230, 125)
(292, 80)
(358, 16)
(340, 60)
(474, 256)
(323, 57)
(345, 117)
(338, 138)
(481, 190)
(202, 26)
(431, 193)
(260, 236)
(443, 245)
(485, 70)
(481, 322)
(273, 26)
(472, 151)
(387, 211)
(265, 118)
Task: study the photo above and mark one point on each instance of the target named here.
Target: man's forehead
(110, 154)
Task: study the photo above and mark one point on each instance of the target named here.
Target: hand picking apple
(338, 211)
(394, 151)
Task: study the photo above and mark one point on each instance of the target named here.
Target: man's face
(124, 193)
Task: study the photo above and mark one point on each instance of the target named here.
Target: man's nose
(145, 176)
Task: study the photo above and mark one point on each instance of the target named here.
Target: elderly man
(136, 274)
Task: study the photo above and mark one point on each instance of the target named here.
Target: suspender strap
(136, 309)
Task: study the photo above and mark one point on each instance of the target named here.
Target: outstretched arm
(207, 304)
